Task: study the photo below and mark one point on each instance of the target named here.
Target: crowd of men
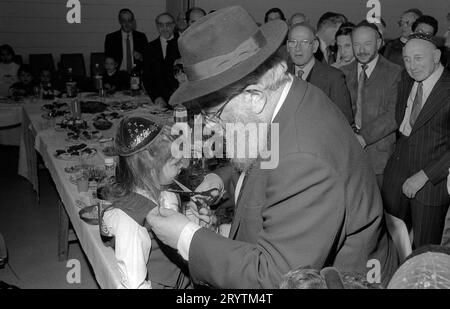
(392, 97)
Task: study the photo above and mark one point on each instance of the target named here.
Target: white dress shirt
(370, 66)
(427, 86)
(164, 45)
(123, 66)
(184, 242)
(132, 248)
(306, 69)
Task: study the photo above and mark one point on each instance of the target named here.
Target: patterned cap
(424, 36)
(134, 134)
(430, 270)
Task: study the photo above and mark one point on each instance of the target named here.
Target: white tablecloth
(102, 258)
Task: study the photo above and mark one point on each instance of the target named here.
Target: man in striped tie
(415, 188)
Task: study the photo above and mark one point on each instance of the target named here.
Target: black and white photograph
(224, 149)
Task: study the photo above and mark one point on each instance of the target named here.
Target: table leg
(63, 233)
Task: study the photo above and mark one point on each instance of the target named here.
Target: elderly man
(372, 81)
(415, 177)
(126, 45)
(159, 57)
(393, 49)
(301, 45)
(319, 206)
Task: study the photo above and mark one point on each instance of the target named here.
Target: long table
(47, 140)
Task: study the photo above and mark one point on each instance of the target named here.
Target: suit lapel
(435, 101)
(352, 83)
(402, 101)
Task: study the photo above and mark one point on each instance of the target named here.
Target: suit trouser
(427, 223)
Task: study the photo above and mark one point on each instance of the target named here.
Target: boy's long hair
(142, 170)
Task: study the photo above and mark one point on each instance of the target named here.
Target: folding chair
(38, 62)
(74, 61)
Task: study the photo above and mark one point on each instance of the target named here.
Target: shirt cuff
(184, 242)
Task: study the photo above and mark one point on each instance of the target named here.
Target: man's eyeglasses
(214, 117)
(166, 25)
(302, 43)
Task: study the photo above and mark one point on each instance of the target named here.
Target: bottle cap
(109, 161)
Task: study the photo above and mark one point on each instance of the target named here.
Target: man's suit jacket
(427, 148)
(319, 207)
(393, 51)
(332, 82)
(113, 45)
(159, 80)
(378, 108)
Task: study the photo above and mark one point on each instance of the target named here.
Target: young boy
(25, 86)
(113, 79)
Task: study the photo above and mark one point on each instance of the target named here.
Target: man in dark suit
(372, 81)
(415, 188)
(126, 45)
(393, 49)
(160, 55)
(327, 26)
(301, 46)
(317, 205)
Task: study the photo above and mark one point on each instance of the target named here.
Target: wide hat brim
(274, 32)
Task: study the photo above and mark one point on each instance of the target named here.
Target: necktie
(164, 48)
(128, 55)
(417, 105)
(330, 56)
(359, 101)
(300, 73)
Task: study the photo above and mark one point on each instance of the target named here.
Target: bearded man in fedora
(319, 207)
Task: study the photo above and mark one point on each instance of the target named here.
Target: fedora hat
(223, 47)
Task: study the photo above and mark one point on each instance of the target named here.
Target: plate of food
(102, 124)
(75, 152)
(92, 107)
(71, 124)
(85, 135)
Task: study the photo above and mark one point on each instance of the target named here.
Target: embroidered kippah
(135, 134)
(425, 37)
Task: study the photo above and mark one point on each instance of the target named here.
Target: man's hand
(413, 184)
(202, 216)
(361, 140)
(210, 182)
(138, 56)
(167, 225)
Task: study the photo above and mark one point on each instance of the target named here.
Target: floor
(30, 230)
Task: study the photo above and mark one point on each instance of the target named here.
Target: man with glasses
(394, 49)
(159, 57)
(319, 206)
(301, 45)
(126, 45)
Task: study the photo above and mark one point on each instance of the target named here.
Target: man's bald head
(421, 58)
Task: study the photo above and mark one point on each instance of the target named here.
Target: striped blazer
(427, 148)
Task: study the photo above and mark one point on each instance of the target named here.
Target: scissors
(186, 191)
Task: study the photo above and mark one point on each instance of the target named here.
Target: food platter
(75, 152)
